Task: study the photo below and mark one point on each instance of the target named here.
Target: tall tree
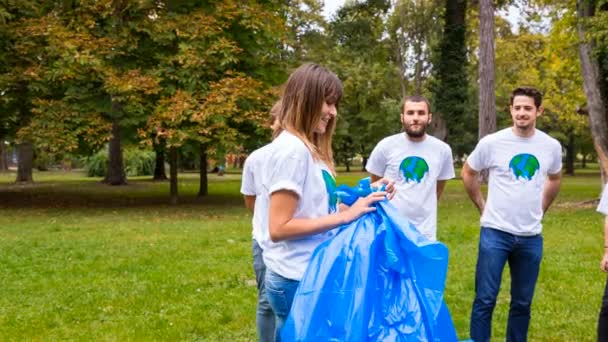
(594, 80)
(414, 29)
(369, 110)
(487, 97)
(91, 70)
(215, 75)
(450, 91)
(19, 57)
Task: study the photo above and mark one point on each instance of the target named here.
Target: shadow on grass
(94, 194)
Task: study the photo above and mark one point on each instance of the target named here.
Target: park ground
(80, 260)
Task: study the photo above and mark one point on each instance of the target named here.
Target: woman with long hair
(298, 179)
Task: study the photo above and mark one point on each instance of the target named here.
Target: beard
(415, 133)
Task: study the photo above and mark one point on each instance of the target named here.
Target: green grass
(80, 260)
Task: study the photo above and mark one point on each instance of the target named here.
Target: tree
(594, 71)
(90, 70)
(487, 98)
(450, 90)
(18, 60)
(414, 28)
(214, 75)
(369, 109)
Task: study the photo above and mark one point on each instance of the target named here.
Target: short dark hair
(415, 98)
(530, 92)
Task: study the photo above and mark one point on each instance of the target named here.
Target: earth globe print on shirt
(524, 165)
(414, 169)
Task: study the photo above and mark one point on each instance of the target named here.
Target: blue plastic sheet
(378, 279)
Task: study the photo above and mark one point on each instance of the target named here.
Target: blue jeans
(280, 292)
(264, 314)
(524, 254)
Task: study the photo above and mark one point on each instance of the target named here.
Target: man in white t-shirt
(418, 163)
(524, 167)
(602, 322)
(252, 189)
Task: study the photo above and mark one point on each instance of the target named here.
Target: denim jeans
(523, 253)
(602, 322)
(280, 292)
(264, 314)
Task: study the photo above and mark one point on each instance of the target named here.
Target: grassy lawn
(83, 261)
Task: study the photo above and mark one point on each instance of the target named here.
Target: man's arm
(552, 185)
(249, 202)
(470, 179)
(440, 187)
(374, 178)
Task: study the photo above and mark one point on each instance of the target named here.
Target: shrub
(137, 162)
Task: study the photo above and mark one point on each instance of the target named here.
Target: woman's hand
(389, 189)
(604, 263)
(362, 206)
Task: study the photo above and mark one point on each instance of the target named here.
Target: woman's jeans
(264, 315)
(280, 292)
(523, 253)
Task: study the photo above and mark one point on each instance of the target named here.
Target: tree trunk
(25, 150)
(487, 97)
(159, 167)
(3, 156)
(401, 43)
(242, 161)
(116, 173)
(363, 164)
(203, 189)
(584, 161)
(173, 174)
(25, 162)
(570, 155)
(593, 85)
(347, 167)
(451, 92)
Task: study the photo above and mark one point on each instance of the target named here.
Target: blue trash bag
(378, 279)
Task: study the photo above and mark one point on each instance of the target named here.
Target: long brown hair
(307, 88)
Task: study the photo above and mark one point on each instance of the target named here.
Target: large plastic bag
(378, 279)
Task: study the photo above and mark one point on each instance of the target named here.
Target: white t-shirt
(290, 166)
(415, 167)
(251, 185)
(603, 206)
(518, 169)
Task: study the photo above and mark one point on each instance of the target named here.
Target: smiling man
(418, 163)
(524, 165)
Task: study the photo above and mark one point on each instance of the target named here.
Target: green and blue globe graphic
(330, 186)
(524, 165)
(414, 169)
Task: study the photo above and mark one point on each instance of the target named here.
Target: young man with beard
(524, 165)
(418, 163)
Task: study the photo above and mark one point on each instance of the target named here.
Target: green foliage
(369, 109)
(137, 162)
(451, 97)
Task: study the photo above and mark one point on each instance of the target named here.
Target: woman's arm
(283, 226)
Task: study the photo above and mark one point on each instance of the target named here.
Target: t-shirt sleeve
(247, 182)
(479, 159)
(603, 206)
(447, 167)
(556, 154)
(288, 172)
(376, 164)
